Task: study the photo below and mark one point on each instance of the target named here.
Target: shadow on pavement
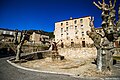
(4, 52)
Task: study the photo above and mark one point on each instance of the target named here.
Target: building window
(82, 33)
(11, 33)
(119, 43)
(4, 32)
(100, 31)
(67, 33)
(83, 43)
(75, 27)
(81, 20)
(43, 39)
(75, 21)
(67, 38)
(72, 44)
(1, 31)
(61, 24)
(66, 28)
(61, 35)
(66, 23)
(62, 45)
(81, 26)
(61, 30)
(71, 26)
(76, 37)
(75, 32)
(7, 32)
(40, 39)
(71, 39)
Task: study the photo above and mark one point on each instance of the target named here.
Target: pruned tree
(97, 39)
(23, 37)
(105, 43)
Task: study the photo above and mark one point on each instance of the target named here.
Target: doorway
(72, 44)
(83, 43)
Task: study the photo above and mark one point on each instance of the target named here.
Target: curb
(49, 72)
(28, 69)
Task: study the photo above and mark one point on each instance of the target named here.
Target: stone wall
(73, 53)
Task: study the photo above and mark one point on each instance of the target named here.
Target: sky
(42, 14)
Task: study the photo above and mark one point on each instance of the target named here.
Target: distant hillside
(51, 35)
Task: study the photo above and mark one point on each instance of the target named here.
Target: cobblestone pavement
(9, 72)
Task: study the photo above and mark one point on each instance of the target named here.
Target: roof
(37, 32)
(73, 18)
(8, 29)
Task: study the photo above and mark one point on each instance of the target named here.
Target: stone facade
(78, 53)
(8, 35)
(38, 38)
(72, 32)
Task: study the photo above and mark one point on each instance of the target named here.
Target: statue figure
(54, 50)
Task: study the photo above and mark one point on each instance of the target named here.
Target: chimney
(70, 17)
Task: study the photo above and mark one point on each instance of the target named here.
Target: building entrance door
(83, 43)
(72, 44)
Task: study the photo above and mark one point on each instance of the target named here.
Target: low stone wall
(33, 48)
(72, 53)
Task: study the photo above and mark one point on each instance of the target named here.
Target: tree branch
(97, 5)
(100, 3)
(114, 3)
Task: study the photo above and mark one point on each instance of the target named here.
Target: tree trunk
(19, 47)
(99, 59)
(18, 53)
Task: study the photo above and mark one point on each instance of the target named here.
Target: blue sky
(42, 14)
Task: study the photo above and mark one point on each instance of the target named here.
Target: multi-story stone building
(72, 32)
(38, 38)
(8, 35)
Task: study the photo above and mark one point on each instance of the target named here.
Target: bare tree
(19, 46)
(97, 39)
(105, 43)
